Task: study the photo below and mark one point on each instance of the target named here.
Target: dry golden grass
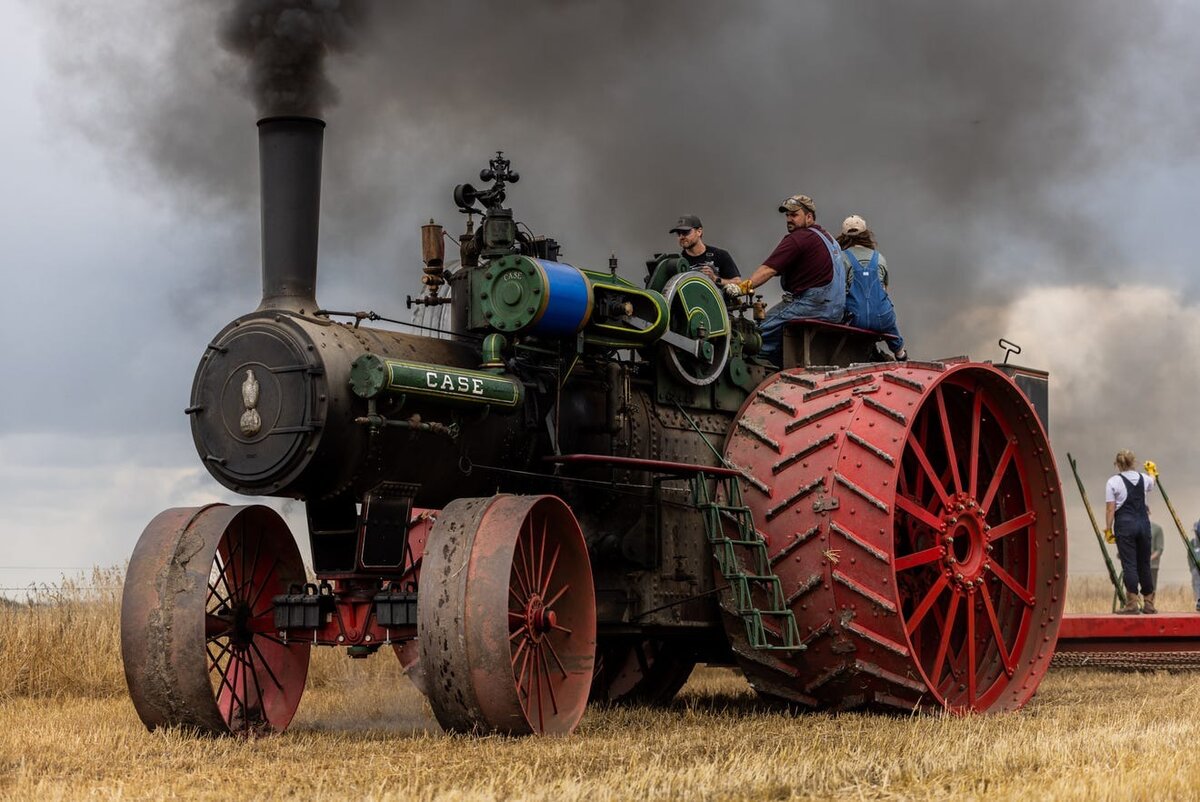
(1094, 594)
(364, 732)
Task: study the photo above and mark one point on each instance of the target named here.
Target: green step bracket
(743, 579)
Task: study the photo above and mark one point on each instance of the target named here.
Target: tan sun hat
(854, 224)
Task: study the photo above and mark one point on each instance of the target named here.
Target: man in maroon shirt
(809, 264)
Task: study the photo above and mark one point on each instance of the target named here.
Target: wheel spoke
(214, 593)
(554, 653)
(228, 571)
(1010, 451)
(918, 558)
(990, 608)
(541, 577)
(248, 579)
(947, 628)
(525, 581)
(519, 651)
(951, 456)
(266, 583)
(971, 667)
(918, 490)
(919, 613)
(216, 658)
(917, 511)
(541, 704)
(1011, 525)
(267, 666)
(216, 627)
(973, 465)
(557, 596)
(525, 675)
(1013, 585)
(527, 528)
(223, 673)
(221, 567)
(549, 682)
(545, 588)
(258, 691)
(927, 470)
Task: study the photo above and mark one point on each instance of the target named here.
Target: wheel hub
(539, 619)
(966, 553)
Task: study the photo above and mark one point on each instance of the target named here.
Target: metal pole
(1178, 524)
(1112, 572)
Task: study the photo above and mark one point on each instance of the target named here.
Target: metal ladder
(742, 582)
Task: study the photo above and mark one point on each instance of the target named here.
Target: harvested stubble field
(67, 731)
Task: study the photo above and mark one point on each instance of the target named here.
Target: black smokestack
(289, 152)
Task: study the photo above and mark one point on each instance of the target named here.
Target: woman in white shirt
(1128, 518)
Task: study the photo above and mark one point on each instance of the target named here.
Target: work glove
(1151, 468)
(1109, 537)
(733, 290)
(742, 287)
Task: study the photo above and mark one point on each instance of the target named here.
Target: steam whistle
(499, 171)
(433, 254)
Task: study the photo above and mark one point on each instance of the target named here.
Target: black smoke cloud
(285, 44)
(967, 133)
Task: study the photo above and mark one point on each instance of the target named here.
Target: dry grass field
(67, 731)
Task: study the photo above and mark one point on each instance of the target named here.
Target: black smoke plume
(285, 44)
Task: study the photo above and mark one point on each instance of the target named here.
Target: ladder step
(744, 586)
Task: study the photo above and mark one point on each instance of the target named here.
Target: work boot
(1131, 605)
(1148, 604)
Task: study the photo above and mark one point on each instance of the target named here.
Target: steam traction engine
(586, 490)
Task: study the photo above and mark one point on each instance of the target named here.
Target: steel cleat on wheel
(914, 516)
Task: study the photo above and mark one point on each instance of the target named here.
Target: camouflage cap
(798, 202)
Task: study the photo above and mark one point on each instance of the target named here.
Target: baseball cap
(798, 202)
(854, 224)
(686, 223)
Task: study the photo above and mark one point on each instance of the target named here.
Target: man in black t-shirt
(713, 262)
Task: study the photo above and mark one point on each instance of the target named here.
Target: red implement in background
(1130, 641)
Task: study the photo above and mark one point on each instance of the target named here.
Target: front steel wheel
(507, 616)
(197, 622)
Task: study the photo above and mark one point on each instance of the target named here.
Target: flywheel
(914, 517)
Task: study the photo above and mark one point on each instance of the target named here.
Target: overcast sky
(1030, 170)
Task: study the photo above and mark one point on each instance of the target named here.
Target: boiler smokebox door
(256, 408)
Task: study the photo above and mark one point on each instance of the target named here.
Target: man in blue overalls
(809, 264)
(1128, 519)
